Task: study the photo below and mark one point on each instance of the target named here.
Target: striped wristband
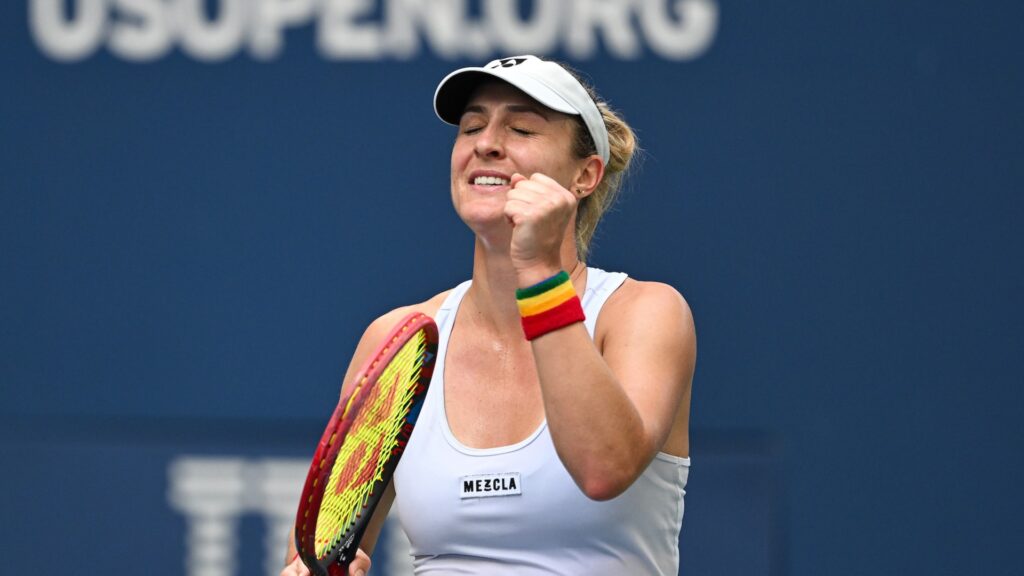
(549, 305)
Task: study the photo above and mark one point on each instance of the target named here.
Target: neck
(492, 294)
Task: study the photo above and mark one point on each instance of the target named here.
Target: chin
(481, 219)
(485, 221)
(475, 207)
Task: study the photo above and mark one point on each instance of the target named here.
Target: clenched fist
(539, 209)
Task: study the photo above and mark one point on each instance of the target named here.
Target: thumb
(516, 179)
(360, 564)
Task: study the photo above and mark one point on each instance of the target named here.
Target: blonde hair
(622, 146)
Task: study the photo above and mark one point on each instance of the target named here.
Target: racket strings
(372, 438)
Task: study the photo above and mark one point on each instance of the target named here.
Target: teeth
(490, 181)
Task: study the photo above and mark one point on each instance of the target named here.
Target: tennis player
(554, 437)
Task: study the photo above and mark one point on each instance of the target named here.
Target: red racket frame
(336, 563)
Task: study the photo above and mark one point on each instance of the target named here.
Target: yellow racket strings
(368, 446)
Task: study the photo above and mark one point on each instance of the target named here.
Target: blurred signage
(214, 30)
(213, 494)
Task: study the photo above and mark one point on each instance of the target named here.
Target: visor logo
(507, 62)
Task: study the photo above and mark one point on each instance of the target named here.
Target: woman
(564, 451)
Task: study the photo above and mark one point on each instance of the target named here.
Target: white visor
(546, 82)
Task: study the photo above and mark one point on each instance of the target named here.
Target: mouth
(490, 181)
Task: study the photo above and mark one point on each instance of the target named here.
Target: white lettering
(214, 30)
(278, 484)
(340, 37)
(535, 36)
(685, 39)
(440, 20)
(215, 493)
(211, 494)
(147, 33)
(65, 40)
(266, 40)
(211, 40)
(610, 16)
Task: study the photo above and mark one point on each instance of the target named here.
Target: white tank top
(514, 510)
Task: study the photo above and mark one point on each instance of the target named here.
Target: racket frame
(327, 450)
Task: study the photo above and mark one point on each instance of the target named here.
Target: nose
(490, 142)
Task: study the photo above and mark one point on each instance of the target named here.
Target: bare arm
(611, 410)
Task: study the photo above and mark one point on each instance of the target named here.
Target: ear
(590, 175)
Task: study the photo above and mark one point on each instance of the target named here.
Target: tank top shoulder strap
(600, 285)
(432, 413)
(446, 313)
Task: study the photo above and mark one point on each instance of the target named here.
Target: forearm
(610, 410)
(290, 552)
(597, 430)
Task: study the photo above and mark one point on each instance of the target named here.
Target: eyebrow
(513, 108)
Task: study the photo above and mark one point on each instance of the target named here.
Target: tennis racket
(361, 445)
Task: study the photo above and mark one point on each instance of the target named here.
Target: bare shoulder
(646, 335)
(646, 306)
(379, 329)
(385, 322)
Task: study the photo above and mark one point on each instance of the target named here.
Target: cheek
(461, 148)
(459, 160)
(461, 154)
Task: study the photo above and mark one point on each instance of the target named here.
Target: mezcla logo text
(213, 30)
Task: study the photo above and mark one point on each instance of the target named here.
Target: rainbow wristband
(549, 305)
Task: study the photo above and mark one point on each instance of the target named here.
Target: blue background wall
(835, 187)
